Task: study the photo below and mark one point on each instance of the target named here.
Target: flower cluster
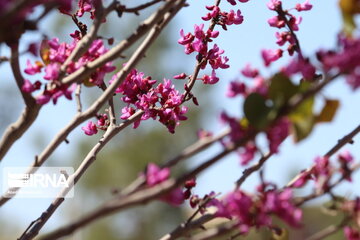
(346, 60)
(155, 175)
(284, 19)
(163, 101)
(239, 88)
(323, 170)
(256, 210)
(54, 54)
(92, 128)
(199, 40)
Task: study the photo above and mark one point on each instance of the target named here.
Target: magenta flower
(33, 69)
(273, 4)
(236, 88)
(303, 178)
(248, 153)
(155, 175)
(284, 37)
(180, 76)
(345, 157)
(351, 233)
(277, 134)
(305, 6)
(353, 79)
(277, 22)
(280, 203)
(210, 79)
(90, 129)
(234, 18)
(249, 72)
(174, 198)
(28, 87)
(52, 71)
(300, 65)
(270, 55)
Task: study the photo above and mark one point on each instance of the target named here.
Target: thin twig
(78, 98)
(184, 228)
(247, 172)
(342, 142)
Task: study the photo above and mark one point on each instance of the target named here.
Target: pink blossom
(300, 65)
(248, 153)
(33, 48)
(351, 233)
(52, 71)
(345, 157)
(84, 6)
(284, 37)
(175, 198)
(201, 134)
(90, 129)
(277, 133)
(33, 69)
(280, 203)
(127, 112)
(260, 86)
(273, 4)
(155, 175)
(210, 79)
(236, 130)
(294, 23)
(270, 55)
(28, 87)
(215, 10)
(180, 76)
(249, 72)
(302, 179)
(236, 88)
(353, 79)
(276, 21)
(43, 98)
(234, 18)
(305, 6)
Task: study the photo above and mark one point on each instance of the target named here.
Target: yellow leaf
(328, 112)
(45, 51)
(348, 9)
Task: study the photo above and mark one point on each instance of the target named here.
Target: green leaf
(303, 119)
(281, 89)
(328, 112)
(258, 113)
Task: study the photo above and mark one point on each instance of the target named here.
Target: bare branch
(247, 172)
(14, 131)
(185, 228)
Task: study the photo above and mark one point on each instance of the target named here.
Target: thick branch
(14, 131)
